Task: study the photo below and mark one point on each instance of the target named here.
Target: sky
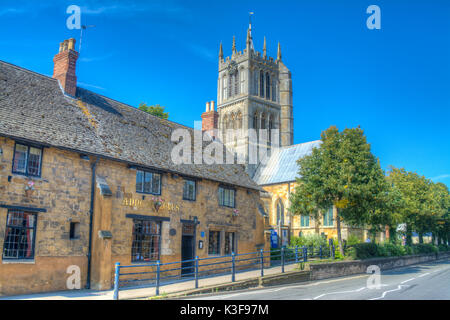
(394, 82)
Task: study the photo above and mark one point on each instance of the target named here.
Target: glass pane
(221, 202)
(34, 162)
(20, 158)
(156, 181)
(139, 181)
(148, 182)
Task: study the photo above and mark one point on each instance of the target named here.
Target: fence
(156, 274)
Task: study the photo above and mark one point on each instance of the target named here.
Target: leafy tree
(424, 202)
(155, 110)
(342, 172)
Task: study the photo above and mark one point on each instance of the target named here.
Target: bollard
(196, 272)
(233, 267)
(296, 254)
(262, 262)
(157, 277)
(116, 281)
(282, 260)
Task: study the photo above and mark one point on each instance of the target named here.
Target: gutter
(91, 218)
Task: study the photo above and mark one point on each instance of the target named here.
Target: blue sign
(273, 239)
(202, 234)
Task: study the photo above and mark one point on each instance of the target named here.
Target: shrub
(309, 240)
(424, 248)
(365, 250)
(352, 240)
(394, 250)
(443, 248)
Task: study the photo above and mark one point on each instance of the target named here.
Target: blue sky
(394, 82)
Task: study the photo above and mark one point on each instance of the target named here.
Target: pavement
(135, 293)
(429, 281)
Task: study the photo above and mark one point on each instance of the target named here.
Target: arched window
(270, 129)
(274, 90)
(267, 86)
(236, 82)
(263, 121)
(239, 120)
(280, 213)
(224, 88)
(242, 81)
(261, 84)
(255, 82)
(255, 121)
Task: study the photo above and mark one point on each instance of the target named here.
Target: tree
(424, 202)
(342, 172)
(155, 110)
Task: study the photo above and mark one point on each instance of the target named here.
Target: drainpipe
(91, 218)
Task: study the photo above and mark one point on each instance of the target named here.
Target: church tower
(254, 91)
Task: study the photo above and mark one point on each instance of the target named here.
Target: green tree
(155, 110)
(342, 172)
(424, 202)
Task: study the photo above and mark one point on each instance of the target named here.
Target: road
(430, 281)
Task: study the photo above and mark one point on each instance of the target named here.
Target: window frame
(233, 243)
(219, 242)
(223, 198)
(33, 250)
(29, 146)
(326, 218)
(151, 183)
(159, 234)
(195, 189)
(304, 218)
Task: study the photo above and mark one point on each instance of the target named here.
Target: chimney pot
(207, 107)
(212, 106)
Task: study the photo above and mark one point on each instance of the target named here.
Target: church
(255, 98)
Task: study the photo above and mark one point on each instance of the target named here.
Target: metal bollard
(157, 277)
(196, 272)
(262, 262)
(282, 260)
(116, 281)
(233, 267)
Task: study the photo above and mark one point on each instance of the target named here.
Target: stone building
(88, 181)
(254, 94)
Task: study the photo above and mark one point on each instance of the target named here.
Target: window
(267, 86)
(304, 221)
(328, 218)
(230, 243)
(274, 90)
(148, 182)
(261, 84)
(27, 160)
(225, 89)
(255, 121)
(19, 235)
(214, 242)
(280, 213)
(226, 197)
(189, 190)
(74, 230)
(242, 80)
(146, 240)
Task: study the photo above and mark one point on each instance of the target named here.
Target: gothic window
(242, 80)
(267, 86)
(255, 82)
(261, 84)
(270, 129)
(274, 90)
(263, 121)
(236, 82)
(280, 213)
(225, 88)
(255, 121)
(239, 120)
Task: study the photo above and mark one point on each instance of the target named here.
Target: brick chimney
(210, 117)
(65, 65)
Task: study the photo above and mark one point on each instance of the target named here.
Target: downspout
(289, 212)
(91, 218)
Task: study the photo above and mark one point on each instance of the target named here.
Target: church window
(270, 129)
(274, 90)
(239, 121)
(236, 83)
(255, 82)
(263, 121)
(224, 87)
(267, 86)
(280, 213)
(255, 121)
(261, 83)
(242, 80)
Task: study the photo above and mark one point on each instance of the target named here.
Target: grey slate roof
(282, 165)
(33, 107)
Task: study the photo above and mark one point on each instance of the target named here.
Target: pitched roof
(282, 165)
(33, 107)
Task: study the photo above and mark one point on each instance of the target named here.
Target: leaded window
(19, 235)
(267, 86)
(226, 197)
(280, 213)
(148, 182)
(189, 191)
(146, 240)
(230, 243)
(261, 84)
(214, 242)
(27, 160)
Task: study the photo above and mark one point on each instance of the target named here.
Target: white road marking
(423, 275)
(339, 292)
(386, 292)
(407, 281)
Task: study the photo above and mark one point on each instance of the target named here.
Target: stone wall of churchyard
(63, 190)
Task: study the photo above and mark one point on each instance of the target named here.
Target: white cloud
(441, 177)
